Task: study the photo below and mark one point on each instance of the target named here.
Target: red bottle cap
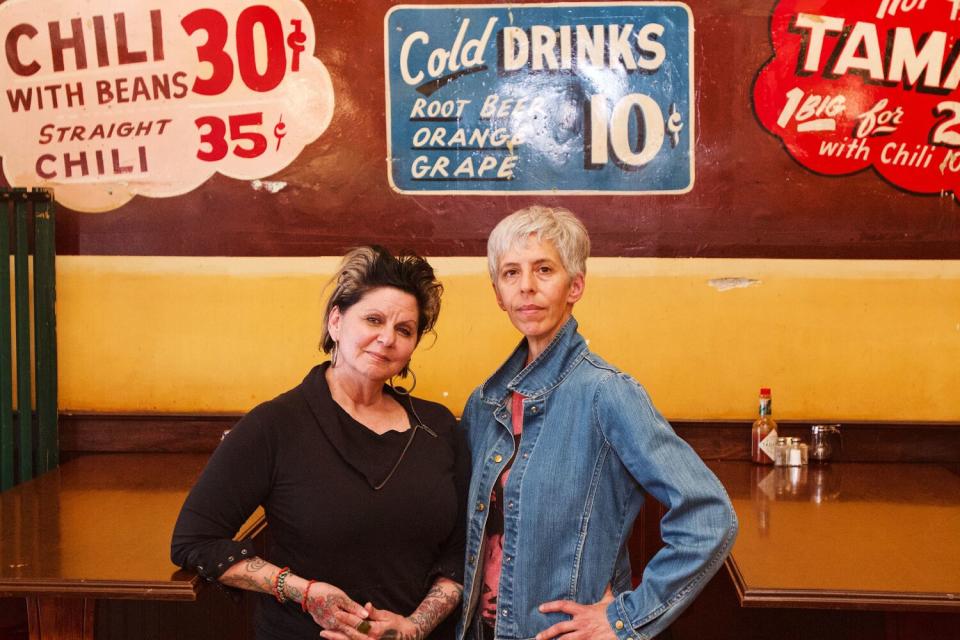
(764, 391)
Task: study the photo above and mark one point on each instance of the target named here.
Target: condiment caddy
(769, 448)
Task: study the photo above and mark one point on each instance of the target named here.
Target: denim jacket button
(534, 409)
(473, 559)
(618, 624)
(498, 458)
(480, 506)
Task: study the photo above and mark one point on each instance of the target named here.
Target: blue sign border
(455, 57)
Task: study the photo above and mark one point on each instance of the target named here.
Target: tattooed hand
(391, 626)
(325, 603)
(442, 598)
(384, 625)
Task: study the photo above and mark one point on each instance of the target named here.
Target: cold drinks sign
(853, 85)
(530, 98)
(105, 100)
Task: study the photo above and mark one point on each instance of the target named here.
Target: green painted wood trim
(45, 334)
(21, 277)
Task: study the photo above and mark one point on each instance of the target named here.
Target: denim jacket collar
(547, 371)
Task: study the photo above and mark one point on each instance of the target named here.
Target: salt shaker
(794, 456)
(780, 452)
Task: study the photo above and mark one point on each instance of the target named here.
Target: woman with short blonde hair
(565, 448)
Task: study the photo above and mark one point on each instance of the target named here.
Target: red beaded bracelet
(306, 594)
(278, 584)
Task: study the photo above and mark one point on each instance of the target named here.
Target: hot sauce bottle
(763, 439)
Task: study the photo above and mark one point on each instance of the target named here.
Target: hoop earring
(402, 390)
(333, 354)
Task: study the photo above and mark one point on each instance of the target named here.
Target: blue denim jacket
(592, 447)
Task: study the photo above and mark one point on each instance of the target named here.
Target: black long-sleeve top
(314, 469)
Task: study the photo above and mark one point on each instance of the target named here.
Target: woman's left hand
(587, 621)
(383, 625)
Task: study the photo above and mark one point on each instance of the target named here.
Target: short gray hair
(556, 225)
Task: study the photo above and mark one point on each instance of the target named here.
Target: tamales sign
(869, 84)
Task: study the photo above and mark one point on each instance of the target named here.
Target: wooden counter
(846, 536)
(97, 527)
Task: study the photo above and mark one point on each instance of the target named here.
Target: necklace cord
(413, 433)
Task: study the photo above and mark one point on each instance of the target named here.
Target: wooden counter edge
(255, 526)
(182, 586)
(181, 590)
(853, 600)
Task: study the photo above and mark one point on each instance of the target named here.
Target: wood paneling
(159, 433)
(13, 619)
(216, 615)
(862, 442)
(53, 618)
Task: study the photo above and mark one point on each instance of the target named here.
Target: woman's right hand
(324, 601)
(381, 625)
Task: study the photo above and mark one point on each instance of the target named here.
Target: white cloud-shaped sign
(103, 101)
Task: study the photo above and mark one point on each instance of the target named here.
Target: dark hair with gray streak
(367, 268)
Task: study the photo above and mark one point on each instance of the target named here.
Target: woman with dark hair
(363, 485)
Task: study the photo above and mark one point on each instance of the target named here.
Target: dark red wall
(750, 199)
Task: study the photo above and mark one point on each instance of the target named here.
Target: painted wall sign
(854, 85)
(532, 98)
(104, 101)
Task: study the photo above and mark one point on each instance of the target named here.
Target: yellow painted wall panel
(836, 340)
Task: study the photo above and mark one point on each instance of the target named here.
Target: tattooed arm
(440, 601)
(324, 601)
(255, 574)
